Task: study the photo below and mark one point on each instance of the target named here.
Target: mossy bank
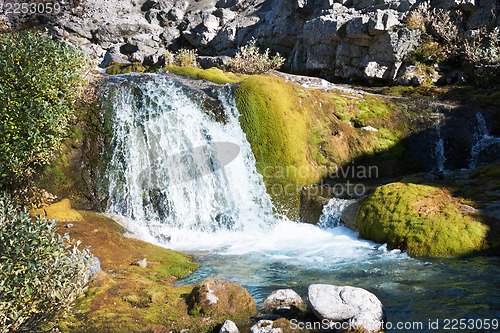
(124, 297)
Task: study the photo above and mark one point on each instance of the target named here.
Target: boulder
(425, 220)
(343, 303)
(111, 59)
(229, 327)
(95, 267)
(222, 300)
(283, 297)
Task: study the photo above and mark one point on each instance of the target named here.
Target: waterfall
(164, 172)
(332, 212)
(439, 148)
(482, 140)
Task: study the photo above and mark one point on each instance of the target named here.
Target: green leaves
(41, 273)
(39, 81)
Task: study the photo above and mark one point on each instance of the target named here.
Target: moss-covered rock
(423, 219)
(212, 74)
(222, 300)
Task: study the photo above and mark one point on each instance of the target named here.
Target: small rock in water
(143, 263)
(283, 297)
(70, 225)
(265, 326)
(229, 327)
(341, 303)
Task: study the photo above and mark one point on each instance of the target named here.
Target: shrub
(39, 85)
(484, 51)
(249, 60)
(186, 58)
(41, 273)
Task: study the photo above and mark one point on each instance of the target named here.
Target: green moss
(425, 220)
(491, 171)
(126, 68)
(213, 74)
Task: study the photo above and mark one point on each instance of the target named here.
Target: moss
(425, 220)
(213, 74)
(491, 171)
(126, 68)
(60, 211)
(125, 298)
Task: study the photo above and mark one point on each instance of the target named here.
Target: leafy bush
(39, 85)
(41, 274)
(249, 60)
(484, 51)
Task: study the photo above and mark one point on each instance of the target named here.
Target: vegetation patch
(423, 219)
(125, 298)
(213, 74)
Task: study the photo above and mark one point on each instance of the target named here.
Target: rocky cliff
(333, 38)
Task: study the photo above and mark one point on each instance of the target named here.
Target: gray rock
(283, 297)
(209, 62)
(95, 266)
(142, 263)
(344, 303)
(226, 3)
(229, 327)
(112, 58)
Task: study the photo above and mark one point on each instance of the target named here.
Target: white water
(439, 148)
(482, 140)
(226, 211)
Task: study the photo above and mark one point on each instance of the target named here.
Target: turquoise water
(411, 290)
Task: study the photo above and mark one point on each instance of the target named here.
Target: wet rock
(343, 303)
(219, 299)
(143, 263)
(229, 327)
(265, 326)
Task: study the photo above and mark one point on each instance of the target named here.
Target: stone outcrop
(335, 38)
(343, 303)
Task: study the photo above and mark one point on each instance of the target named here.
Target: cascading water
(482, 140)
(163, 176)
(332, 212)
(157, 175)
(439, 148)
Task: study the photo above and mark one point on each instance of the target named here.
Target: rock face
(347, 39)
(219, 299)
(344, 303)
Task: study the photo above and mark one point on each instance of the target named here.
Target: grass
(423, 219)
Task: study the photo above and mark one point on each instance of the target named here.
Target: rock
(111, 59)
(143, 263)
(95, 266)
(209, 62)
(283, 297)
(229, 327)
(225, 300)
(425, 220)
(265, 326)
(343, 303)
(154, 59)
